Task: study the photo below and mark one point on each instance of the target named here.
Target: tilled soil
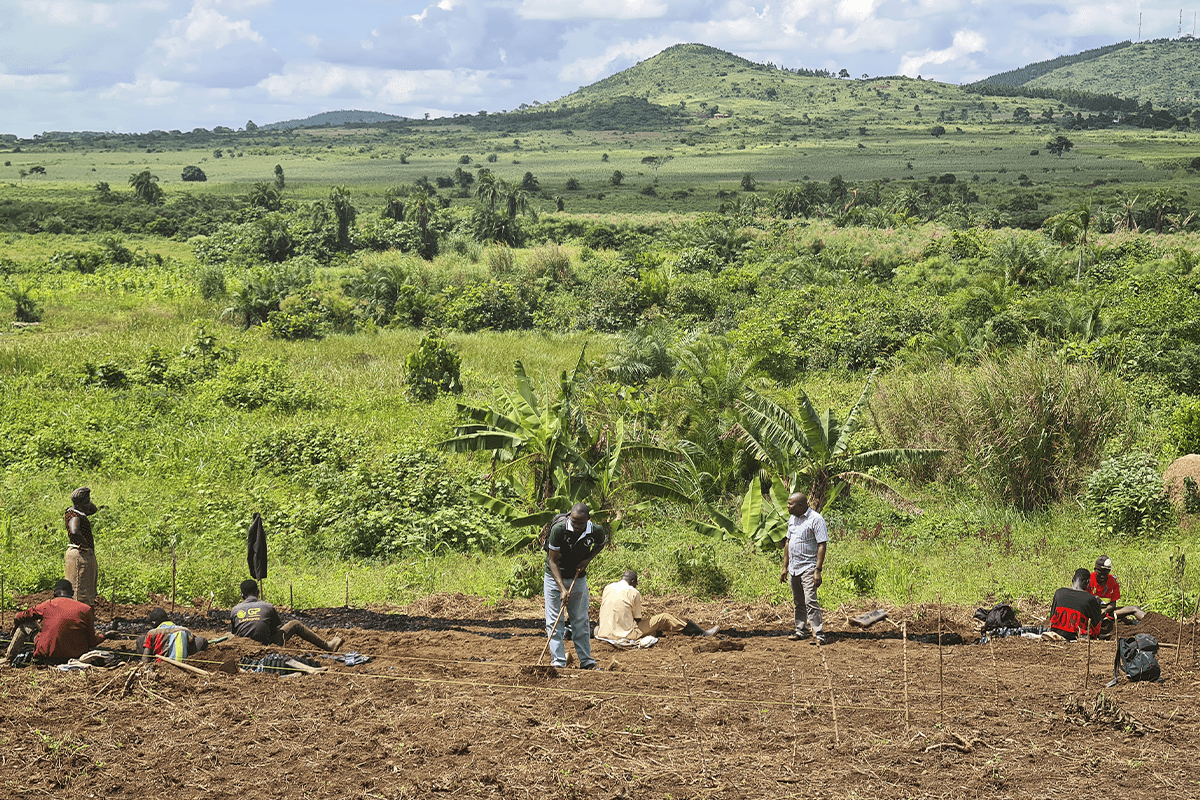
(456, 701)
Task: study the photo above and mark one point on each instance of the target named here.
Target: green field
(223, 349)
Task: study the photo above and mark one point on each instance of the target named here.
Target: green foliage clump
(26, 306)
(410, 502)
(1185, 426)
(493, 305)
(1125, 496)
(251, 384)
(696, 567)
(525, 576)
(860, 575)
(433, 368)
(292, 450)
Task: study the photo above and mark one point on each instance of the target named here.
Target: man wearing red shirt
(1104, 585)
(1075, 611)
(64, 627)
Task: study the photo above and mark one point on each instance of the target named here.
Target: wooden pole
(687, 682)
(347, 590)
(995, 666)
(1087, 670)
(4, 601)
(795, 736)
(941, 662)
(173, 570)
(1179, 640)
(837, 737)
(183, 666)
(1195, 612)
(904, 639)
(291, 598)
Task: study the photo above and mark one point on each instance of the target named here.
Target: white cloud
(591, 9)
(210, 49)
(965, 43)
(592, 68)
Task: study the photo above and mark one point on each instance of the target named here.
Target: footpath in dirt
(456, 700)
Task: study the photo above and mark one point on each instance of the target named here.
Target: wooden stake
(3, 602)
(347, 590)
(686, 681)
(941, 662)
(795, 736)
(995, 666)
(1179, 640)
(291, 598)
(183, 666)
(1195, 612)
(1087, 670)
(173, 567)
(904, 639)
(837, 738)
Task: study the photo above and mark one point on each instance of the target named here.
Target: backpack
(1135, 657)
(544, 536)
(1001, 616)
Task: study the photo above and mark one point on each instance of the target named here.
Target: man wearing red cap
(81, 552)
(1105, 586)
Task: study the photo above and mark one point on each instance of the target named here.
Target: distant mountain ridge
(334, 119)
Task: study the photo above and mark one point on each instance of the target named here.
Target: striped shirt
(803, 536)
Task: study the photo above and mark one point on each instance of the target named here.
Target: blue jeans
(577, 613)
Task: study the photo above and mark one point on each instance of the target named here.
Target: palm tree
(146, 187)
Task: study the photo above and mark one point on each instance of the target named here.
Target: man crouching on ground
(258, 620)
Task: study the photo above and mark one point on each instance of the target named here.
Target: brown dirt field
(450, 706)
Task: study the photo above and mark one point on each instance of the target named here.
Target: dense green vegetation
(325, 330)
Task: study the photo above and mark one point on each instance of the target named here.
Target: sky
(141, 65)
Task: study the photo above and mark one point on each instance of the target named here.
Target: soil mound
(1183, 467)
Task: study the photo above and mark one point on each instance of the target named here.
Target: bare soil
(456, 701)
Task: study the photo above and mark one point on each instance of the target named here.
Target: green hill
(334, 119)
(1165, 72)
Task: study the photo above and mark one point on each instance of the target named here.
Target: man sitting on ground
(258, 620)
(1104, 585)
(169, 640)
(64, 627)
(621, 615)
(1075, 611)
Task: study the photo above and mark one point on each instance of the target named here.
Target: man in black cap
(81, 551)
(258, 620)
(62, 629)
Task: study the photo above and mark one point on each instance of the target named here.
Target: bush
(193, 174)
(292, 450)
(525, 577)
(1185, 426)
(860, 575)
(432, 369)
(696, 567)
(211, 280)
(492, 305)
(251, 384)
(1125, 496)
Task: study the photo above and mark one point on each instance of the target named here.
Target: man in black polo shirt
(1075, 610)
(570, 546)
(258, 620)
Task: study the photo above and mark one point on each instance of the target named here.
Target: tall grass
(1028, 427)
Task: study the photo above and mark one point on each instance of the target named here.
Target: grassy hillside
(1165, 73)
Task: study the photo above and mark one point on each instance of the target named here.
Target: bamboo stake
(837, 737)
(173, 568)
(904, 639)
(3, 601)
(291, 598)
(347, 590)
(1195, 612)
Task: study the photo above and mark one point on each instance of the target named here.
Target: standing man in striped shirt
(803, 557)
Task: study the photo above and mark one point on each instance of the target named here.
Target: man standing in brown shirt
(81, 552)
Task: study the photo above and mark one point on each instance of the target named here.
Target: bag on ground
(1136, 658)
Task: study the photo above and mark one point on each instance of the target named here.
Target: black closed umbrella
(256, 549)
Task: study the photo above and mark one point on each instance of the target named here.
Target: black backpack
(1001, 616)
(544, 536)
(1136, 658)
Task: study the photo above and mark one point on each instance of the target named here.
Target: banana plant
(544, 451)
(811, 453)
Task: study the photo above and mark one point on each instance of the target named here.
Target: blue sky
(138, 65)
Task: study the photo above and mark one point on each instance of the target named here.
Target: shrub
(252, 384)
(26, 305)
(860, 575)
(211, 280)
(696, 567)
(491, 305)
(432, 369)
(525, 576)
(292, 450)
(193, 174)
(1185, 426)
(1125, 496)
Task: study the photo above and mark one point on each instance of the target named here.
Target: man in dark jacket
(64, 627)
(258, 620)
